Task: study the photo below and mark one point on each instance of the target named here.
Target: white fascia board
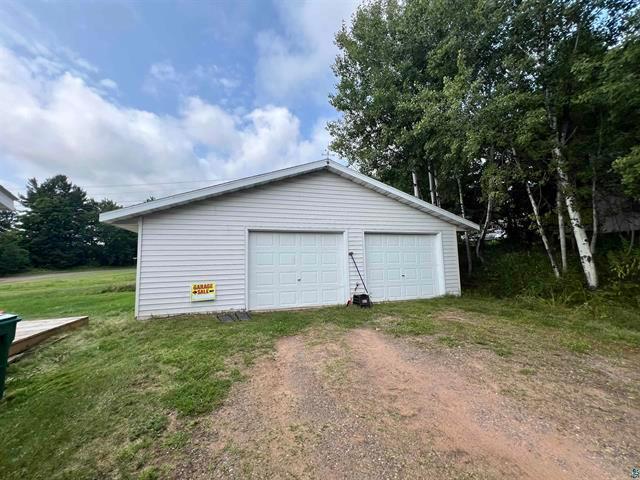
(117, 216)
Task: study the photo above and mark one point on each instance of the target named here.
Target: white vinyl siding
(208, 239)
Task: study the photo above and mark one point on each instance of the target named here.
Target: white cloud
(109, 84)
(209, 124)
(163, 75)
(299, 61)
(19, 28)
(54, 121)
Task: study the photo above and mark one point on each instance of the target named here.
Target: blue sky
(136, 98)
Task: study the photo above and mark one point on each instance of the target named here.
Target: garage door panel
(375, 258)
(376, 292)
(393, 274)
(426, 276)
(309, 277)
(331, 296)
(330, 276)
(309, 240)
(410, 258)
(288, 269)
(264, 259)
(394, 292)
(285, 239)
(287, 278)
(410, 274)
(264, 279)
(376, 275)
(287, 259)
(411, 291)
(265, 240)
(266, 299)
(287, 298)
(400, 266)
(408, 241)
(393, 258)
(329, 259)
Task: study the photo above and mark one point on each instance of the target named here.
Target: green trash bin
(8, 323)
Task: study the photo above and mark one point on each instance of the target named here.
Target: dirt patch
(362, 405)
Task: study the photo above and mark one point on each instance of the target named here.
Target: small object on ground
(363, 300)
(8, 323)
(243, 315)
(227, 317)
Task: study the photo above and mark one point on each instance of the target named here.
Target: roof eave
(209, 192)
(119, 216)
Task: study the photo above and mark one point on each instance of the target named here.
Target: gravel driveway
(359, 404)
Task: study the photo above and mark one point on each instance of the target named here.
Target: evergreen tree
(59, 224)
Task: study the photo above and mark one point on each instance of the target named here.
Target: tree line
(523, 115)
(59, 229)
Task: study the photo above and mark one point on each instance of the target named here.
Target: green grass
(100, 402)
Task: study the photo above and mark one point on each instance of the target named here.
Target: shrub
(13, 258)
(527, 273)
(625, 264)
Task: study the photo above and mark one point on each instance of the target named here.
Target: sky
(131, 99)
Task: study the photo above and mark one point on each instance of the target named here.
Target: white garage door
(401, 267)
(289, 269)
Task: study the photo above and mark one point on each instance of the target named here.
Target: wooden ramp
(32, 332)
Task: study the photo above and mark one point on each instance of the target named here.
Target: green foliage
(60, 229)
(8, 219)
(625, 264)
(13, 258)
(494, 95)
(114, 246)
(525, 276)
(59, 225)
(628, 167)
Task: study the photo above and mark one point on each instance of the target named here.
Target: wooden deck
(32, 332)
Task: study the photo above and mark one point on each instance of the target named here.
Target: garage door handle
(299, 279)
(403, 274)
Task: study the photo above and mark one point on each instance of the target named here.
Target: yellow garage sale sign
(201, 292)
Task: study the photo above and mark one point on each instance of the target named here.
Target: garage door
(289, 269)
(401, 267)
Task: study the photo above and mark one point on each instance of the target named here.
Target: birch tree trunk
(543, 235)
(594, 213)
(483, 230)
(435, 184)
(579, 233)
(414, 179)
(432, 190)
(561, 231)
(466, 233)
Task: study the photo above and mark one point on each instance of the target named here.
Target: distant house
(297, 237)
(618, 214)
(6, 199)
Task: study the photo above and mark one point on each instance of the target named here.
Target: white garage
(283, 240)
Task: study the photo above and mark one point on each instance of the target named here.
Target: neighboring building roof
(6, 199)
(127, 213)
(617, 214)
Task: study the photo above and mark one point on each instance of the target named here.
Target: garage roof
(122, 217)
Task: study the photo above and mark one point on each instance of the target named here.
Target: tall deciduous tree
(521, 100)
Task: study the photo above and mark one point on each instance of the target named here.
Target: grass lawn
(105, 400)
